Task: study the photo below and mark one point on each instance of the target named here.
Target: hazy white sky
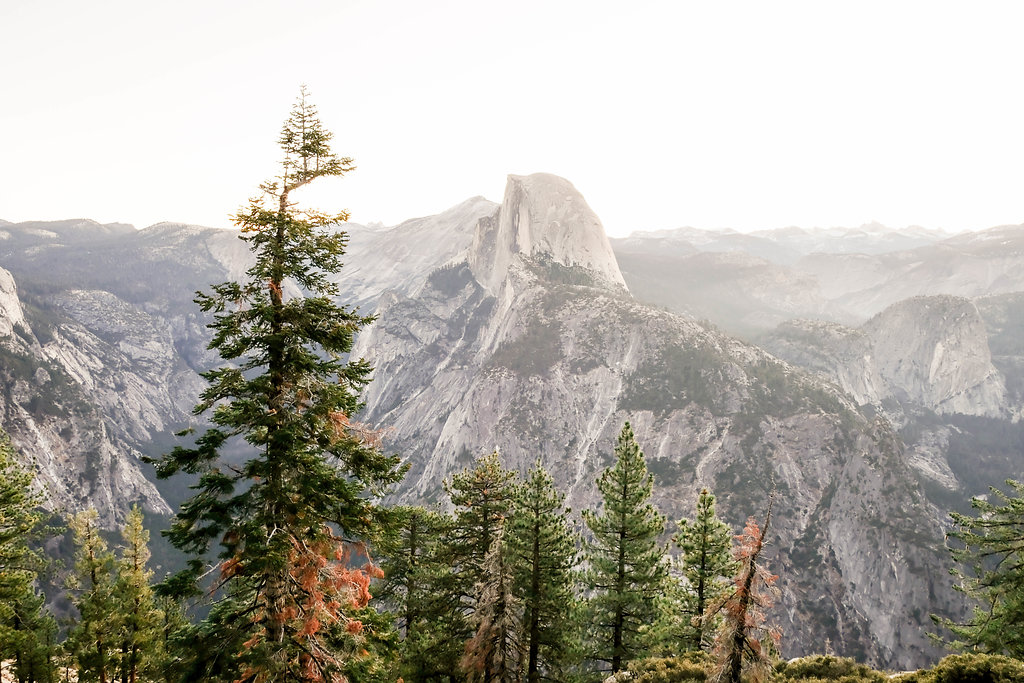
(663, 114)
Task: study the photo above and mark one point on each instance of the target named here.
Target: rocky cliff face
(541, 352)
(543, 218)
(78, 406)
(925, 352)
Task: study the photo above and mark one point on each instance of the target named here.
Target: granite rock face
(927, 352)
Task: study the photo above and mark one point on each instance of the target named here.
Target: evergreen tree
(992, 557)
(745, 641)
(495, 652)
(27, 632)
(482, 496)
(294, 518)
(141, 623)
(33, 641)
(542, 547)
(706, 565)
(92, 640)
(483, 499)
(174, 631)
(419, 587)
(627, 567)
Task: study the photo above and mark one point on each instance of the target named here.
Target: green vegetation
(826, 668)
(543, 556)
(534, 352)
(706, 566)
(991, 554)
(292, 522)
(677, 377)
(628, 568)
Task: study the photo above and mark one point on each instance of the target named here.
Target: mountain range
(852, 372)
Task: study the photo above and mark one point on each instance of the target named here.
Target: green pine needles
(628, 569)
(293, 519)
(992, 556)
(707, 566)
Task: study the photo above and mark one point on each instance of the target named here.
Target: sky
(743, 115)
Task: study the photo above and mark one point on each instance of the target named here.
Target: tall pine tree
(293, 519)
(141, 624)
(482, 496)
(542, 547)
(93, 639)
(419, 588)
(706, 566)
(628, 571)
(27, 632)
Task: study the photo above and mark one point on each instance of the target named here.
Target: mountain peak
(543, 216)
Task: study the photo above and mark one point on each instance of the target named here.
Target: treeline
(508, 587)
(503, 587)
(502, 584)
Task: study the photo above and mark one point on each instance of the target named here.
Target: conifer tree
(32, 647)
(92, 640)
(419, 587)
(706, 565)
(483, 499)
(745, 640)
(495, 652)
(992, 573)
(27, 631)
(141, 623)
(542, 549)
(627, 572)
(292, 519)
(173, 633)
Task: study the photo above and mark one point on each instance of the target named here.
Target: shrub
(827, 668)
(976, 668)
(687, 668)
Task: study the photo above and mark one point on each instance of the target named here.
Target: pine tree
(992, 559)
(542, 547)
(141, 624)
(173, 633)
(419, 587)
(706, 565)
(745, 641)
(294, 519)
(32, 647)
(92, 640)
(627, 567)
(483, 499)
(27, 632)
(495, 652)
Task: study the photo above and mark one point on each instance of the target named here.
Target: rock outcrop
(78, 407)
(544, 218)
(925, 352)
